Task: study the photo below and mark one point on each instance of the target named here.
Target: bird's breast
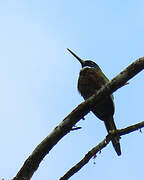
(90, 80)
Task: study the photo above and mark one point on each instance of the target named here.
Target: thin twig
(75, 128)
(92, 153)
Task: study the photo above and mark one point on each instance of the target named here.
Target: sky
(38, 79)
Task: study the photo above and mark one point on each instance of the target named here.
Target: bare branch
(33, 161)
(99, 147)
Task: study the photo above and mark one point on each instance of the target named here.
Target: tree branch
(33, 161)
(99, 147)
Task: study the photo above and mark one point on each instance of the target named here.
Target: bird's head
(86, 63)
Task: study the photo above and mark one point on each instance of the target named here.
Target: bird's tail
(110, 125)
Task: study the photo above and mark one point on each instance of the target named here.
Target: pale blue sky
(38, 79)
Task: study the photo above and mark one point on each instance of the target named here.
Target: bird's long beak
(78, 58)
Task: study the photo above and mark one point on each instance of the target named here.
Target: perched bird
(91, 79)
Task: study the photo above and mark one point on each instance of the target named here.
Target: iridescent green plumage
(90, 80)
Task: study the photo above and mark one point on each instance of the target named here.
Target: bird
(91, 79)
